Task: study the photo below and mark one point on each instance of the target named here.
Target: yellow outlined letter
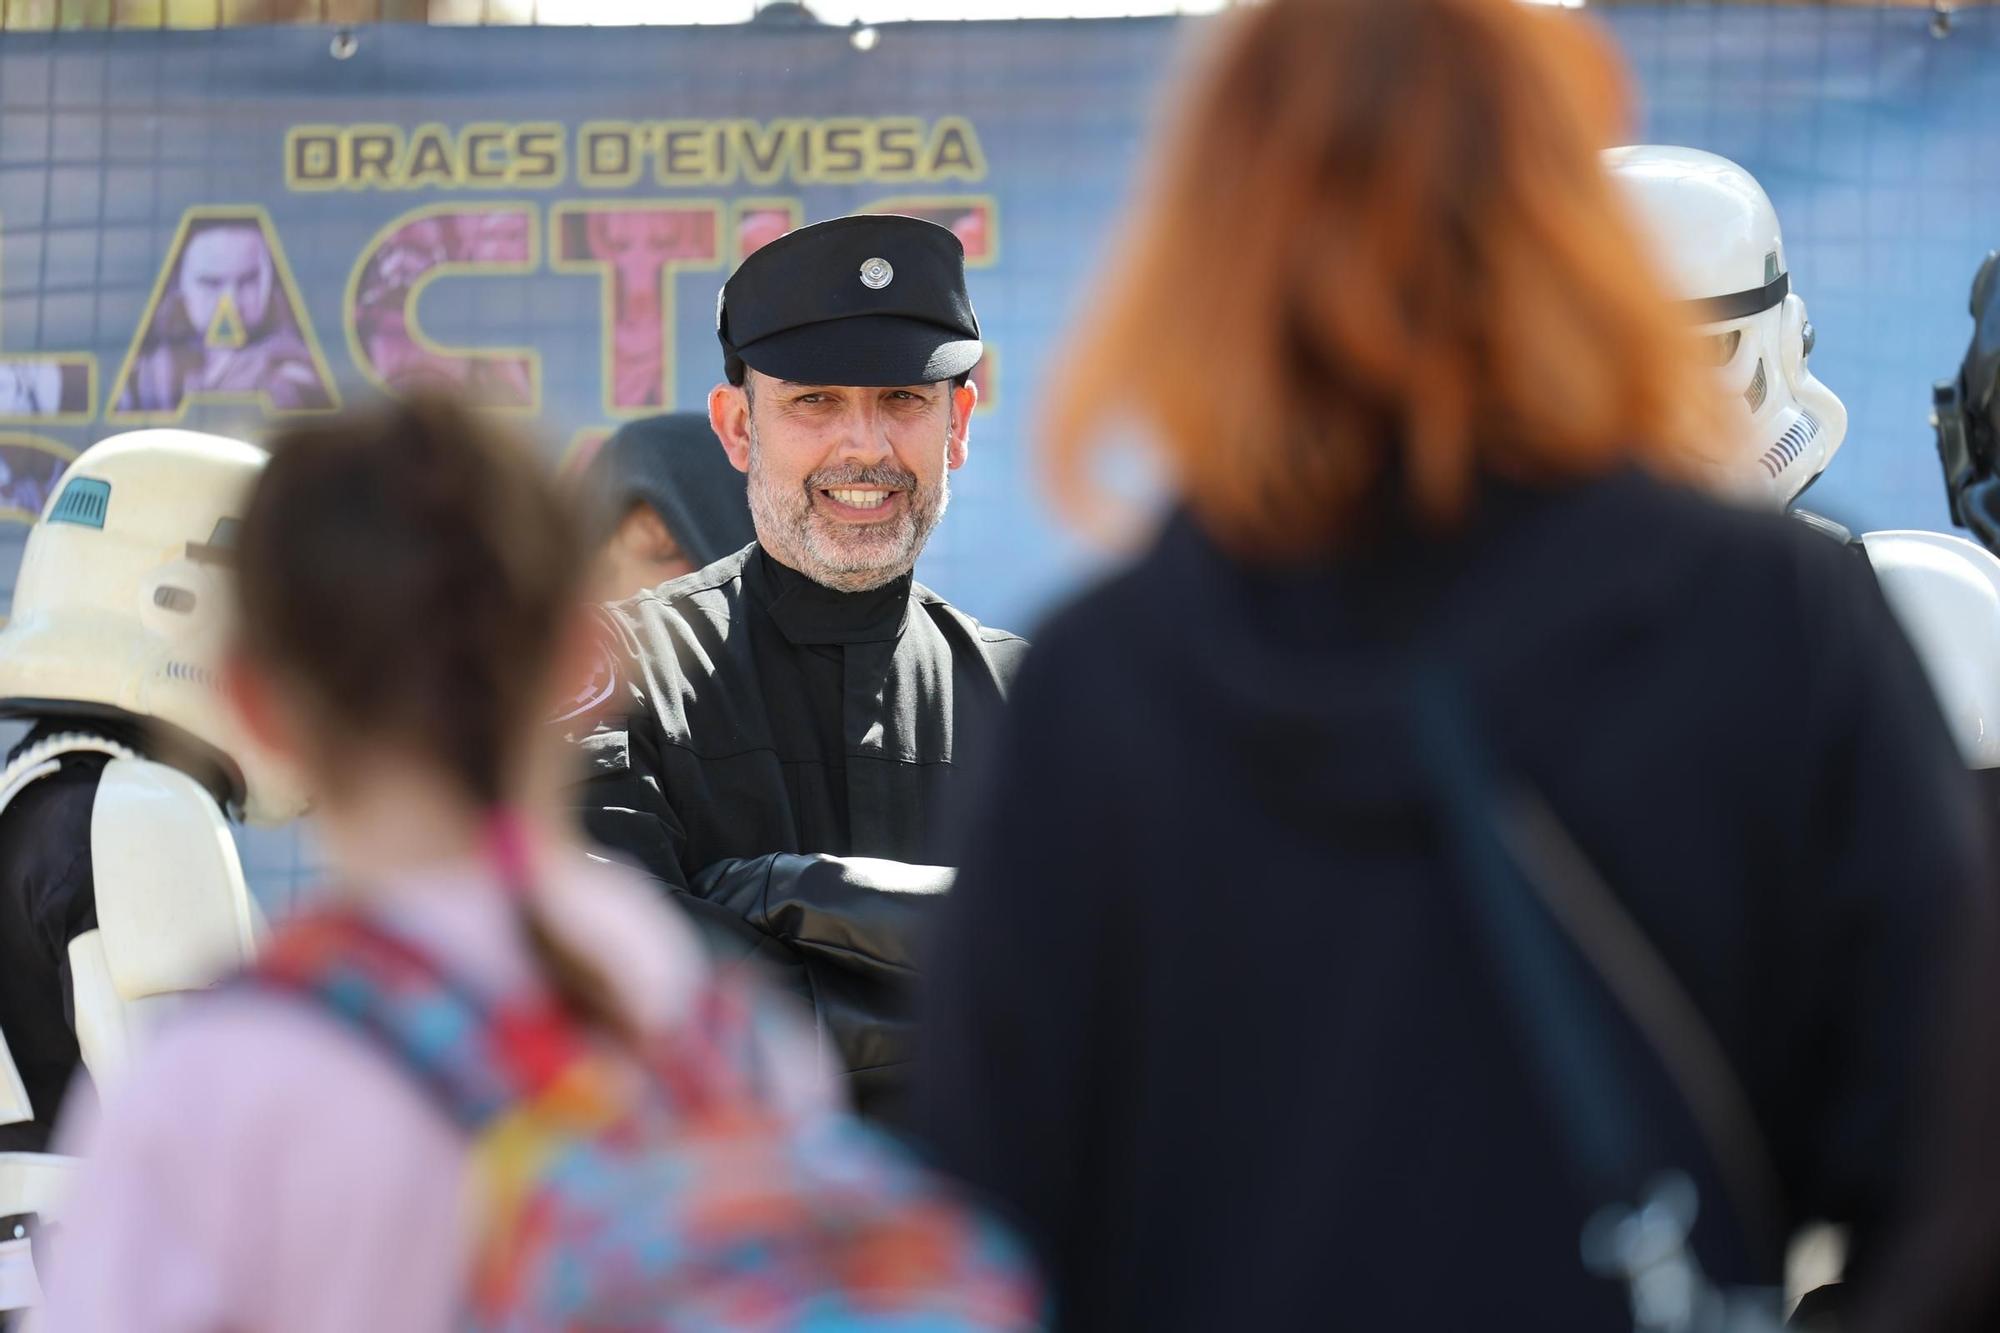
(389, 345)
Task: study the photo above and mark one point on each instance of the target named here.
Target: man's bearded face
(847, 483)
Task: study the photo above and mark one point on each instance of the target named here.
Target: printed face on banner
(225, 270)
(224, 324)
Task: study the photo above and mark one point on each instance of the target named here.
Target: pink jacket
(262, 1168)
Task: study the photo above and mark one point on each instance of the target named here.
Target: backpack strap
(478, 1056)
(1560, 942)
(481, 1056)
(720, 1056)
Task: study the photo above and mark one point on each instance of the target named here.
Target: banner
(231, 229)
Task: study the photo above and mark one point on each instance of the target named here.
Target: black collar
(148, 737)
(812, 613)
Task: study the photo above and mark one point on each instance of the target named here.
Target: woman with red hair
(1250, 1001)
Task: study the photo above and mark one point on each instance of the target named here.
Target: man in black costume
(779, 737)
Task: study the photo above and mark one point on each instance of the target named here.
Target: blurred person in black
(1213, 1007)
(779, 738)
(665, 503)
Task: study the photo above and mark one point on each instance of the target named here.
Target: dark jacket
(1206, 1009)
(784, 758)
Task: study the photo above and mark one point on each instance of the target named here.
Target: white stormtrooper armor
(30, 1186)
(1717, 237)
(117, 617)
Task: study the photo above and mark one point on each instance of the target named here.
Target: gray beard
(837, 555)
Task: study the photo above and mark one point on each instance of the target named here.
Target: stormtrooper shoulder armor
(171, 899)
(1945, 592)
(173, 911)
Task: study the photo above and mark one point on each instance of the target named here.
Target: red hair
(1381, 257)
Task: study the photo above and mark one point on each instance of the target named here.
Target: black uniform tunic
(756, 733)
(1208, 1007)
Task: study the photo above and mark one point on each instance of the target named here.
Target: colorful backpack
(664, 1194)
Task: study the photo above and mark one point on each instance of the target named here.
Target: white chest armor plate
(173, 915)
(1945, 592)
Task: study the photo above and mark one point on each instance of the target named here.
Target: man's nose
(864, 437)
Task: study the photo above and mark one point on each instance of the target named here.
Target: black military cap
(872, 300)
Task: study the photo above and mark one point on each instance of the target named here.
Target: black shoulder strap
(1559, 939)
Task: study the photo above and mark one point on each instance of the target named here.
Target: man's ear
(964, 399)
(729, 418)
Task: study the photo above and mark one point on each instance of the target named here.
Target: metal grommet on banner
(344, 44)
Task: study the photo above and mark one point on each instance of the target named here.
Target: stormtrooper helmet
(121, 605)
(1718, 242)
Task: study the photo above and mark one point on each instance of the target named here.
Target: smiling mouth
(859, 497)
